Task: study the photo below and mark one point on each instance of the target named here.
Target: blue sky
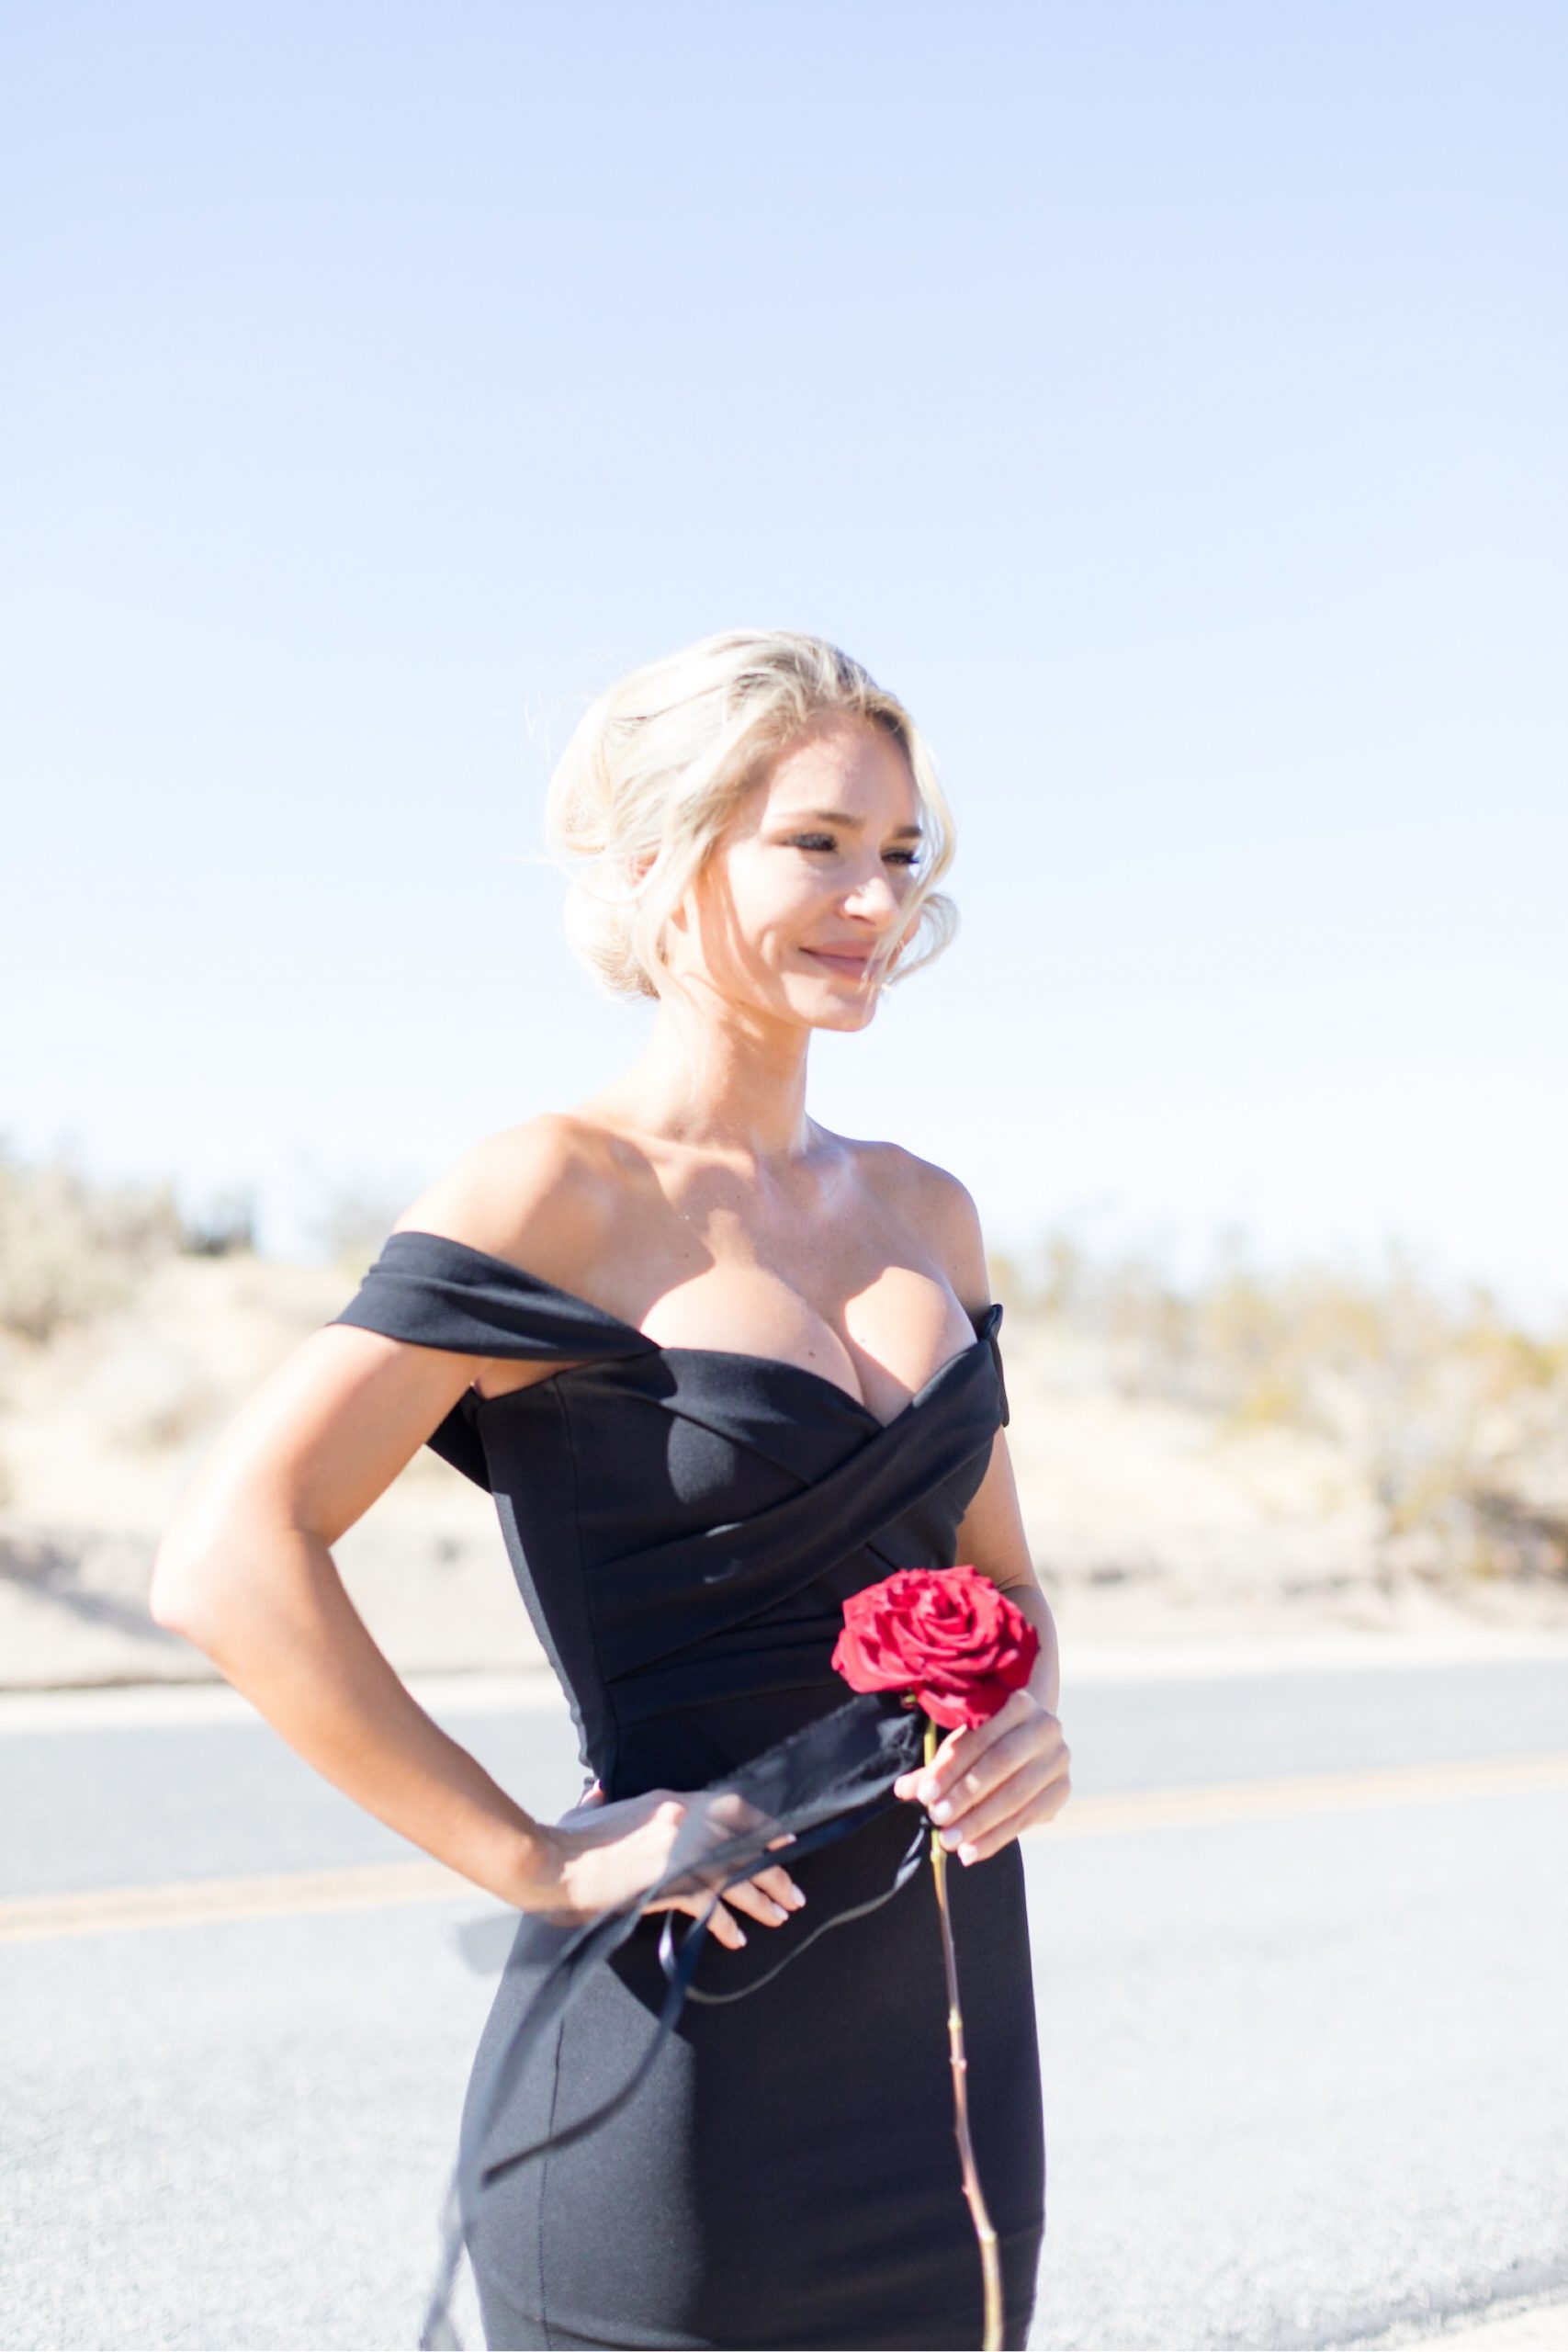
(1166, 401)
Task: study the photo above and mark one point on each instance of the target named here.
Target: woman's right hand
(599, 1856)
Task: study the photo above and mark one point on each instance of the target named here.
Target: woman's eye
(826, 842)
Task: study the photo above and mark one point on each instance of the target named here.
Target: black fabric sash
(815, 1787)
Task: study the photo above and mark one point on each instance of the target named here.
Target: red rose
(947, 1635)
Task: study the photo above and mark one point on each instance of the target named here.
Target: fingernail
(967, 1854)
(950, 1838)
(739, 1938)
(926, 1790)
(796, 1898)
(941, 1810)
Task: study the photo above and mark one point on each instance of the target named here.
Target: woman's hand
(982, 1787)
(600, 1855)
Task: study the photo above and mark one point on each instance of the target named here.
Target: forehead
(849, 764)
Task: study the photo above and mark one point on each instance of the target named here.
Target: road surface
(1301, 1945)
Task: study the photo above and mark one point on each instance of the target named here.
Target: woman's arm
(245, 1571)
(983, 1787)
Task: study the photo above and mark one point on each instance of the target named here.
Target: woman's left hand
(983, 1786)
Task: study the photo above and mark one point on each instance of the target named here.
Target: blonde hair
(657, 766)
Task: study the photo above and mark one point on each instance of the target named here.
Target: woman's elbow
(200, 1572)
(181, 1596)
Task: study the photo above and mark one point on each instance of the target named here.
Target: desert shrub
(350, 1222)
(70, 1247)
(226, 1226)
(1456, 1418)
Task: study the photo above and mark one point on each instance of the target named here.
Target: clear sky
(1166, 401)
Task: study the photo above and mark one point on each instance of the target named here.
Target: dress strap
(442, 1294)
(985, 1328)
(436, 1292)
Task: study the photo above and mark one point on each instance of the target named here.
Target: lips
(850, 961)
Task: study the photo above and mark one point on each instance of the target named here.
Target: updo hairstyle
(659, 765)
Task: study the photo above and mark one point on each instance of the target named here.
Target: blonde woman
(721, 1368)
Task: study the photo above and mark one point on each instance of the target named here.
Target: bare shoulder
(938, 1211)
(541, 1195)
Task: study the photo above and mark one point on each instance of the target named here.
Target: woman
(721, 1368)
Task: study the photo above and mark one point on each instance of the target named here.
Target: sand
(1162, 1533)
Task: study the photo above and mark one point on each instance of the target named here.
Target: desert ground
(1298, 1461)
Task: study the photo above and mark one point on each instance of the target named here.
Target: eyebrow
(843, 817)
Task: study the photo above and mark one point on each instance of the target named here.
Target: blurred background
(1165, 402)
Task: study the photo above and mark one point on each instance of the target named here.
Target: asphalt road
(1306, 2060)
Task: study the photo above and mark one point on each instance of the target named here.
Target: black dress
(685, 1524)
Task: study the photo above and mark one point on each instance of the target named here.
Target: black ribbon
(824, 1782)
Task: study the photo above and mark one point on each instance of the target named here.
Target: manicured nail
(950, 1838)
(967, 1854)
(796, 1898)
(926, 1790)
(943, 1809)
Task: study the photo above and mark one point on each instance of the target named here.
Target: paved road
(1307, 2069)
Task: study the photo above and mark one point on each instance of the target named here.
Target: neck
(721, 1082)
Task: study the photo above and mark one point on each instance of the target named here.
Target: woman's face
(813, 871)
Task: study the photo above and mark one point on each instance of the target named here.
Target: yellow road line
(199, 1902)
(279, 1894)
(1308, 1792)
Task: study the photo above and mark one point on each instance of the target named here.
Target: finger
(1032, 1773)
(1018, 1730)
(712, 1824)
(723, 1926)
(781, 1886)
(694, 1899)
(730, 1811)
(980, 1774)
(750, 1898)
(701, 1875)
(702, 1834)
(1050, 1800)
(956, 1755)
(981, 1849)
(776, 1887)
(1037, 1793)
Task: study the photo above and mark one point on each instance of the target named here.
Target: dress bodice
(684, 1524)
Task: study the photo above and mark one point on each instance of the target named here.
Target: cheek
(771, 901)
(727, 916)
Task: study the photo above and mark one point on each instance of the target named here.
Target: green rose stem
(990, 2269)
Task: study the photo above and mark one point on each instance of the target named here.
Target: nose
(873, 896)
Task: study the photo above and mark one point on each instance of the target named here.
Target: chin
(841, 1014)
(826, 1002)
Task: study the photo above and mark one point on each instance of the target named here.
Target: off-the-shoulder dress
(685, 1524)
